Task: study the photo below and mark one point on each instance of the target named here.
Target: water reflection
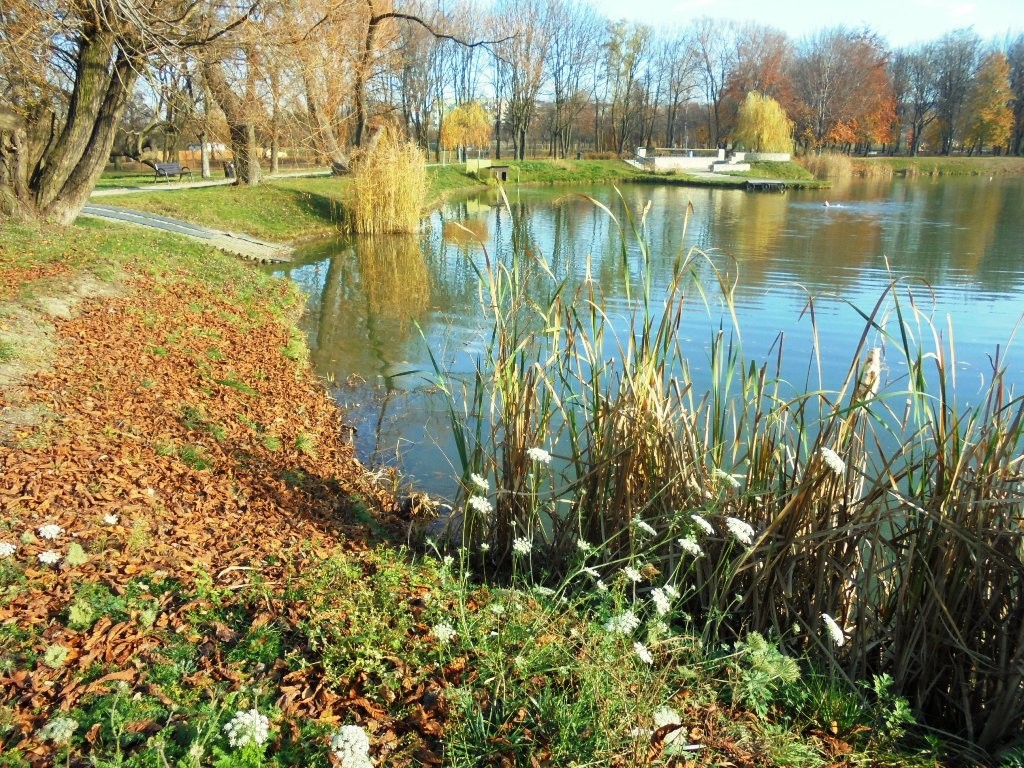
(958, 239)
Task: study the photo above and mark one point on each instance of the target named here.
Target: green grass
(278, 210)
(104, 249)
(127, 177)
(782, 171)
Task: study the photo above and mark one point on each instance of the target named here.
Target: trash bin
(229, 170)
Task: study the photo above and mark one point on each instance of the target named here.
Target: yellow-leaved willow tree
(763, 125)
(466, 126)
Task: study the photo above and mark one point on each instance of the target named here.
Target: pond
(378, 307)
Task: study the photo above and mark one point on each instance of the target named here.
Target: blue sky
(901, 22)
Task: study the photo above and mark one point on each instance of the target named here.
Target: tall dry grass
(389, 186)
(890, 505)
(828, 165)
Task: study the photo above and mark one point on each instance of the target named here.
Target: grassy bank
(306, 208)
(194, 571)
(937, 166)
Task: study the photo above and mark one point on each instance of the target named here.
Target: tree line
(80, 81)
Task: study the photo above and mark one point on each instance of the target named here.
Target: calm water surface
(957, 243)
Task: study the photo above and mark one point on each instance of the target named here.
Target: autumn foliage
(185, 449)
(989, 118)
(763, 125)
(468, 125)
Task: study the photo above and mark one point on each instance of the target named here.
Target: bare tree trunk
(92, 84)
(48, 171)
(324, 134)
(204, 156)
(241, 126)
(74, 193)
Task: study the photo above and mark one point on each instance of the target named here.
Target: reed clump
(882, 541)
(389, 186)
(873, 168)
(828, 165)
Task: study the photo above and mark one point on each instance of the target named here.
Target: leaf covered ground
(196, 471)
(186, 536)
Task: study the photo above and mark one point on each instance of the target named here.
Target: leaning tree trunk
(241, 125)
(323, 131)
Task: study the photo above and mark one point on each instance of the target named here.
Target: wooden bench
(166, 170)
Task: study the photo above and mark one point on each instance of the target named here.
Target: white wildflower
(485, 547)
(497, 609)
(838, 636)
(7, 549)
(671, 591)
(59, 730)
(444, 632)
(726, 478)
(832, 460)
(691, 546)
(522, 546)
(50, 531)
(584, 546)
(448, 561)
(740, 530)
(539, 455)
(666, 716)
(592, 572)
(622, 624)
(703, 524)
(543, 591)
(662, 603)
(247, 727)
(633, 574)
(479, 482)
(49, 557)
(351, 746)
(645, 527)
(601, 586)
(480, 504)
(641, 650)
(110, 519)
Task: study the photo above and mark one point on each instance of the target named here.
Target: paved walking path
(232, 242)
(240, 244)
(161, 186)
